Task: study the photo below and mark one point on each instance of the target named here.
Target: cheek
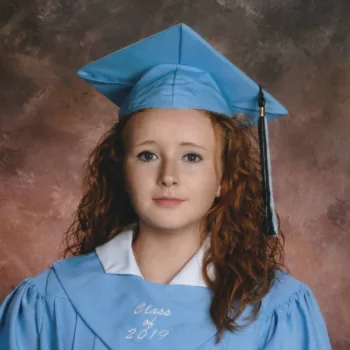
(205, 179)
(203, 187)
(138, 183)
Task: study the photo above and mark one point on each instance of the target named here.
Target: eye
(148, 153)
(193, 155)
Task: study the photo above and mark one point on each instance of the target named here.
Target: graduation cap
(177, 68)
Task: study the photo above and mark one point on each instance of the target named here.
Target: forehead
(166, 125)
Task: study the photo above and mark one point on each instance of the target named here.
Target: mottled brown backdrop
(50, 120)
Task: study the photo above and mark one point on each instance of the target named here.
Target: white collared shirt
(117, 257)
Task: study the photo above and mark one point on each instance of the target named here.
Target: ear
(218, 192)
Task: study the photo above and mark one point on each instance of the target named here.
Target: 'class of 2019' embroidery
(149, 331)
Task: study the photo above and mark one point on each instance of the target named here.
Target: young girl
(175, 243)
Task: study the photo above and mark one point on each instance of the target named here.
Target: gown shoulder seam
(41, 283)
(288, 301)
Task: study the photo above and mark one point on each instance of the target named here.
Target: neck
(161, 255)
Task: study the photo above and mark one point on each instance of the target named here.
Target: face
(170, 152)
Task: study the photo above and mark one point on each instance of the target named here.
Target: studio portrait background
(299, 50)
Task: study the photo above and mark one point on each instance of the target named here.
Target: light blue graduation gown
(100, 301)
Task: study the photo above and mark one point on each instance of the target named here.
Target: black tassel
(270, 227)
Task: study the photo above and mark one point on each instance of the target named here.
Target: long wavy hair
(245, 260)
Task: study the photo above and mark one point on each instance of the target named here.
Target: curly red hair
(245, 260)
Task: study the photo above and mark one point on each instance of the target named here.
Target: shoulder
(285, 291)
(47, 282)
(291, 317)
(39, 307)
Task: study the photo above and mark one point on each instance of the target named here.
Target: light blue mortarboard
(177, 68)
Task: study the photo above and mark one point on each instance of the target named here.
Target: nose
(168, 175)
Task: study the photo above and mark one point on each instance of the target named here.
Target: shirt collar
(117, 257)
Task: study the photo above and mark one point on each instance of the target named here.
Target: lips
(168, 198)
(168, 202)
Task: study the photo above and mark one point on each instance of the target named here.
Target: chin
(167, 223)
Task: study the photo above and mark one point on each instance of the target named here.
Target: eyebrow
(152, 142)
